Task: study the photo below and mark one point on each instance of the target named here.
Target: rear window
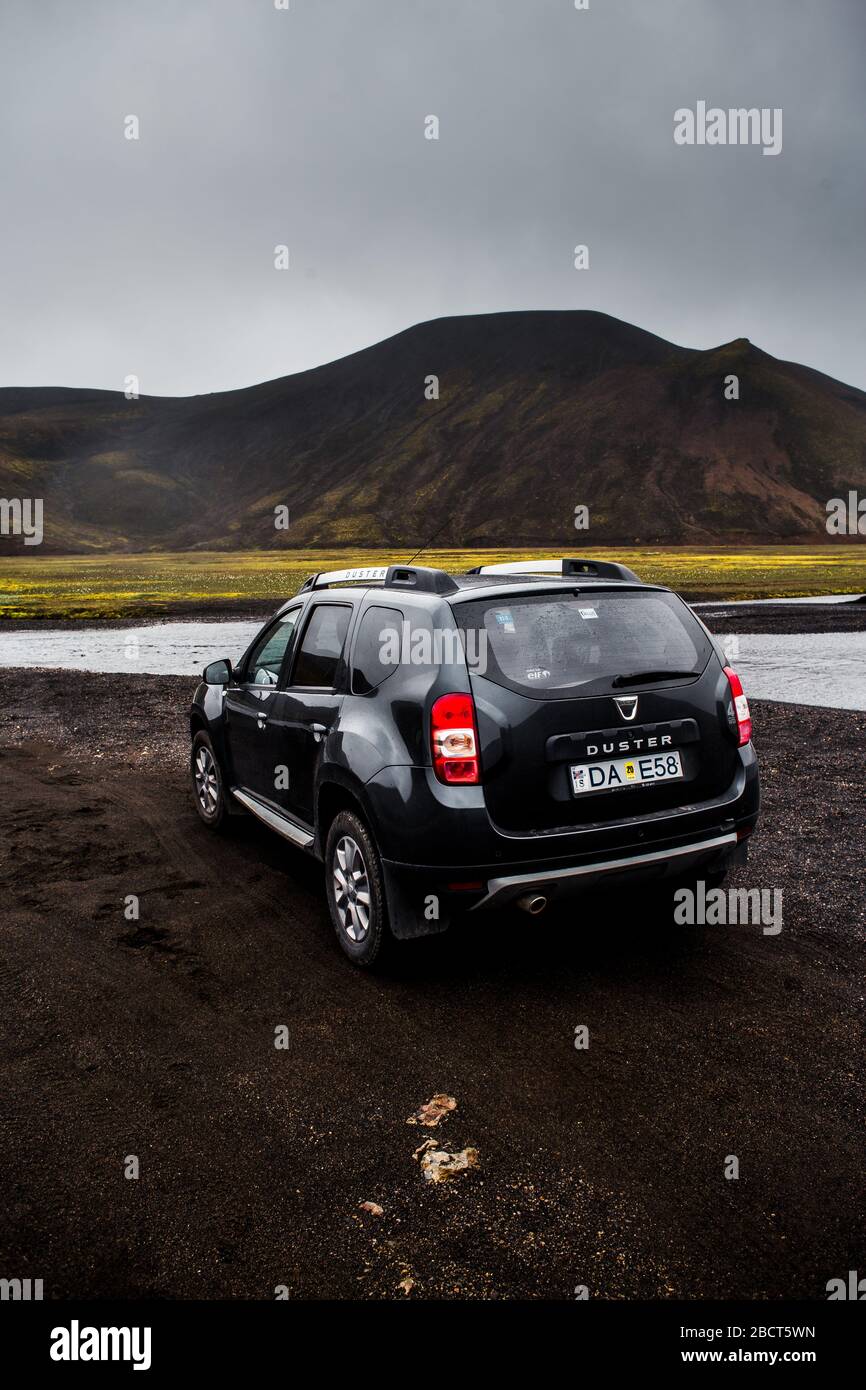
(555, 645)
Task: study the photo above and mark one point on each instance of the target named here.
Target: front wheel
(356, 893)
(207, 783)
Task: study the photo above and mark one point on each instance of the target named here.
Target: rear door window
(373, 661)
(321, 647)
(555, 645)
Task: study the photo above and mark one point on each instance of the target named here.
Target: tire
(208, 785)
(361, 922)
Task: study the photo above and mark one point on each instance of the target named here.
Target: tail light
(454, 740)
(741, 707)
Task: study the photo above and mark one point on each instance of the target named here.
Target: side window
(377, 648)
(322, 645)
(263, 667)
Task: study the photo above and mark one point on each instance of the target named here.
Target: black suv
(450, 745)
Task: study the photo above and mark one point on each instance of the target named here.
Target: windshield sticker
(587, 612)
(537, 673)
(504, 620)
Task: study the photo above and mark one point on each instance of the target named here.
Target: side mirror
(218, 673)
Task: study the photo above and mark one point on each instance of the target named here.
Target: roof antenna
(427, 544)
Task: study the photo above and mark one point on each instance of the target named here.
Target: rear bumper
(452, 859)
(454, 888)
(659, 863)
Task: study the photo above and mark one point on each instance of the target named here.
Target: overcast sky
(261, 127)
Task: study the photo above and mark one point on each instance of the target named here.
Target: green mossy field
(155, 585)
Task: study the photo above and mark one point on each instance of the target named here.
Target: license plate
(625, 772)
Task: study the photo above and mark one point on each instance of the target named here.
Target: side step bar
(274, 820)
(503, 890)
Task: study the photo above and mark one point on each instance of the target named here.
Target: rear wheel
(356, 893)
(207, 783)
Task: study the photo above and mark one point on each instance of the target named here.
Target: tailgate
(547, 701)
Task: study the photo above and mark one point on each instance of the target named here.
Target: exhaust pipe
(533, 903)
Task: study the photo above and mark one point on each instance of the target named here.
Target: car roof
(473, 586)
(479, 584)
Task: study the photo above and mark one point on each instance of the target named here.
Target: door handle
(318, 731)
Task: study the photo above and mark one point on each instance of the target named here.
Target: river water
(820, 668)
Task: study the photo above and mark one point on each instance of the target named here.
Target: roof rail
(568, 567)
(417, 577)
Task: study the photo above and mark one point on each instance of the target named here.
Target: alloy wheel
(351, 888)
(206, 781)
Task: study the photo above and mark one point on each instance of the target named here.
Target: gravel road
(604, 1167)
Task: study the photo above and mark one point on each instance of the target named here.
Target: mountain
(538, 412)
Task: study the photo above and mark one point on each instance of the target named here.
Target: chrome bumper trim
(501, 890)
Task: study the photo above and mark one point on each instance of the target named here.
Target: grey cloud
(305, 127)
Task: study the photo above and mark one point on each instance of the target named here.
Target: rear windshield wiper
(635, 677)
